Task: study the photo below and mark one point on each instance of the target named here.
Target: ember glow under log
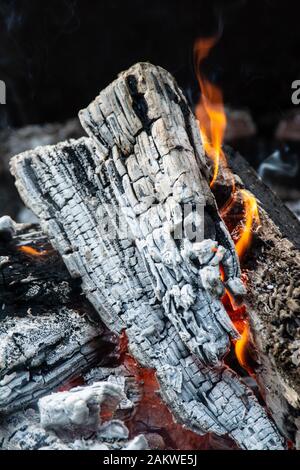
(144, 157)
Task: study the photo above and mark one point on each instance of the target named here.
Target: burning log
(274, 314)
(45, 339)
(41, 353)
(144, 155)
(273, 300)
(273, 297)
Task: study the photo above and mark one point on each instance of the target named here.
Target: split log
(145, 156)
(48, 334)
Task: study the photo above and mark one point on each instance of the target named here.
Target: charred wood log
(145, 157)
(274, 308)
(171, 144)
(273, 299)
(48, 333)
(33, 275)
(70, 420)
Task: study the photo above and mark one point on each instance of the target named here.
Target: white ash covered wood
(38, 354)
(48, 333)
(71, 420)
(144, 156)
(79, 408)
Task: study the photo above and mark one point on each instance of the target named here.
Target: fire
(210, 110)
(212, 124)
(242, 244)
(251, 216)
(241, 347)
(29, 250)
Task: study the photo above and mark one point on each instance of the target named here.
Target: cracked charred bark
(48, 333)
(144, 156)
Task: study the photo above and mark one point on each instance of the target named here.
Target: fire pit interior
(150, 290)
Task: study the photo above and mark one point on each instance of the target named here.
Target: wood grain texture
(144, 157)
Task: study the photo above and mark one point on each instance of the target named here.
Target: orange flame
(210, 109)
(241, 347)
(212, 123)
(28, 250)
(251, 217)
(242, 245)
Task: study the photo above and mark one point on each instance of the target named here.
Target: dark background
(55, 56)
